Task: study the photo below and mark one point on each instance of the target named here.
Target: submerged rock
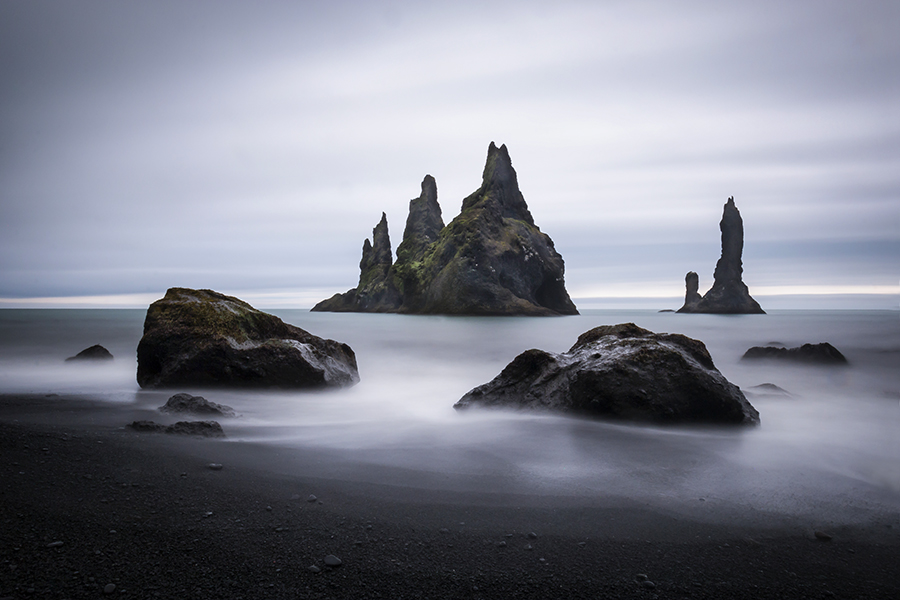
(206, 339)
(819, 354)
(490, 260)
(729, 294)
(95, 352)
(620, 372)
(200, 428)
(198, 405)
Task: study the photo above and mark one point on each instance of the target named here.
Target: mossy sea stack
(206, 339)
(490, 260)
(729, 294)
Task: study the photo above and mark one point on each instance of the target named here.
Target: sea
(827, 451)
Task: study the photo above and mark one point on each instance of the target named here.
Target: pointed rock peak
(429, 189)
(379, 251)
(424, 223)
(498, 169)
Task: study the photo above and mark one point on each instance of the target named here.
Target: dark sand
(85, 503)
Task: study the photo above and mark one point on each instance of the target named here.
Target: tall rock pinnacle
(490, 260)
(728, 294)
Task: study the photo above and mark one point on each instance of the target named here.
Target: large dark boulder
(815, 354)
(490, 260)
(197, 405)
(729, 294)
(620, 372)
(95, 352)
(203, 338)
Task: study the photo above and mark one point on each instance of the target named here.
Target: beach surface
(91, 508)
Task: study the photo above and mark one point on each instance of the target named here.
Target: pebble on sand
(215, 466)
(110, 588)
(333, 561)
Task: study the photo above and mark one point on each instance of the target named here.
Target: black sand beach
(90, 508)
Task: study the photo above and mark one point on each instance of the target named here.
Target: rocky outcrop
(818, 354)
(729, 294)
(490, 260)
(198, 428)
(203, 338)
(197, 405)
(95, 352)
(620, 372)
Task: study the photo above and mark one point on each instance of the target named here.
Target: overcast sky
(250, 147)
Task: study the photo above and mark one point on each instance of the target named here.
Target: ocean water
(829, 453)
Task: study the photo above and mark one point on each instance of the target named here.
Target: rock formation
(206, 339)
(819, 354)
(490, 260)
(199, 428)
(620, 372)
(95, 352)
(198, 405)
(729, 294)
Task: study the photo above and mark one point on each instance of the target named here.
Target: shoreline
(144, 512)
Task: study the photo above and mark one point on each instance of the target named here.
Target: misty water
(828, 453)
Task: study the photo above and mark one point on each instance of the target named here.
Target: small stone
(269, 508)
(648, 584)
(312, 498)
(532, 536)
(529, 547)
(821, 535)
(314, 569)
(444, 530)
(56, 544)
(109, 588)
(641, 577)
(215, 466)
(502, 544)
(333, 561)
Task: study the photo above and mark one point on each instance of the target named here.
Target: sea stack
(492, 259)
(729, 294)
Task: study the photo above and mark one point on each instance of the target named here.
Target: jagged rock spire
(500, 187)
(424, 223)
(728, 294)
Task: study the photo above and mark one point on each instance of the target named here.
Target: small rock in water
(215, 466)
(333, 561)
(109, 588)
(312, 498)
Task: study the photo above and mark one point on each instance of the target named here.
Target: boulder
(816, 354)
(492, 259)
(729, 294)
(203, 338)
(95, 352)
(198, 405)
(199, 428)
(620, 372)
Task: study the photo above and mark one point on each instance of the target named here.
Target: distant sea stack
(490, 260)
(729, 294)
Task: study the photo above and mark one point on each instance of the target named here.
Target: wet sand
(87, 504)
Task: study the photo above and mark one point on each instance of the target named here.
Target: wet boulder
(813, 354)
(620, 372)
(95, 352)
(203, 338)
(198, 405)
(198, 428)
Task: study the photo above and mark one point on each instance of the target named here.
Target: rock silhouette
(490, 260)
(729, 294)
(95, 352)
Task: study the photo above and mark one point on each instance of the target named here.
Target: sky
(251, 147)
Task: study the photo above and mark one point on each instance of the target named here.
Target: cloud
(254, 147)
